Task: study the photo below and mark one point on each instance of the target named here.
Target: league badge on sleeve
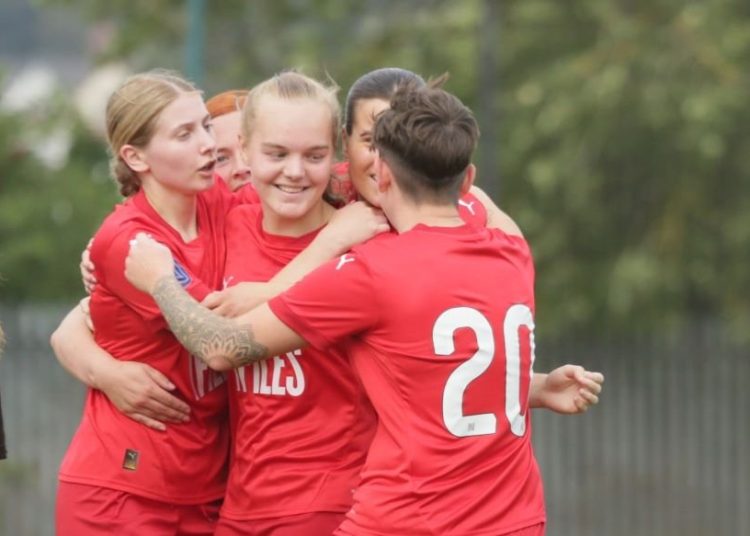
(181, 275)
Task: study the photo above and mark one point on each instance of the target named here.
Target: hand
(142, 393)
(570, 389)
(148, 261)
(87, 269)
(353, 224)
(239, 299)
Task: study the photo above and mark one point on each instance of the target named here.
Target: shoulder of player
(376, 244)
(118, 228)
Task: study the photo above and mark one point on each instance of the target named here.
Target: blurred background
(614, 132)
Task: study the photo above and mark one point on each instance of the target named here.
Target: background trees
(612, 131)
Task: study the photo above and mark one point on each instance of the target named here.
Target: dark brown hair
(427, 138)
(377, 84)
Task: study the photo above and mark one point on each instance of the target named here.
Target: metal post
(194, 40)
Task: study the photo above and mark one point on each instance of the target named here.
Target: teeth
(290, 189)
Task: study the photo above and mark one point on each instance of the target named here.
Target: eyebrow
(189, 124)
(284, 147)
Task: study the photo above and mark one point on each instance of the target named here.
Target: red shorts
(84, 510)
(313, 524)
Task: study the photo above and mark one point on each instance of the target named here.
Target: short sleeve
(108, 253)
(472, 211)
(336, 301)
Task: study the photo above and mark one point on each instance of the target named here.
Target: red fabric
(187, 464)
(472, 210)
(316, 524)
(439, 324)
(301, 421)
(83, 510)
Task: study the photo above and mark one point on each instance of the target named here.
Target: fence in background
(664, 454)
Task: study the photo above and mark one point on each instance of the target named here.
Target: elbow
(55, 342)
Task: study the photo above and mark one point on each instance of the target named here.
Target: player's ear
(134, 158)
(383, 172)
(468, 181)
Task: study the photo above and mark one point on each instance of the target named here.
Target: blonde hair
(290, 85)
(131, 116)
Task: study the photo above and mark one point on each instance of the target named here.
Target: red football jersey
(440, 329)
(302, 423)
(471, 210)
(187, 464)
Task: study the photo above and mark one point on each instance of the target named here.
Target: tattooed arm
(221, 343)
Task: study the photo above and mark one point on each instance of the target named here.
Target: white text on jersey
(270, 377)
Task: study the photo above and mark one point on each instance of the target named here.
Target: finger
(147, 421)
(580, 404)
(598, 377)
(224, 309)
(160, 379)
(575, 372)
(162, 412)
(165, 399)
(590, 385)
(588, 396)
(382, 228)
(212, 300)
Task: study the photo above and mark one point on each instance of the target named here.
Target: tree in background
(612, 130)
(47, 213)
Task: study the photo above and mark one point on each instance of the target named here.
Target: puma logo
(343, 260)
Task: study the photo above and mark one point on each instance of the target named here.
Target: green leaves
(614, 132)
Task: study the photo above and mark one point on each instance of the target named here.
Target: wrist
(99, 373)
(536, 391)
(329, 244)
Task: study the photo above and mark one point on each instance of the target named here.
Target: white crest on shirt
(469, 206)
(343, 260)
(226, 281)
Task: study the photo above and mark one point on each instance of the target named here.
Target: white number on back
(445, 327)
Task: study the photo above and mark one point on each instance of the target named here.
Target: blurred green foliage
(47, 216)
(613, 132)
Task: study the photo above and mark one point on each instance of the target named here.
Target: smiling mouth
(290, 189)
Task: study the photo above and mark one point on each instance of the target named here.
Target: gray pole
(194, 41)
(488, 172)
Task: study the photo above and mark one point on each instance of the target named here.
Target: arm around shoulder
(496, 218)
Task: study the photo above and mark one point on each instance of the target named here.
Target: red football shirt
(302, 423)
(440, 329)
(187, 464)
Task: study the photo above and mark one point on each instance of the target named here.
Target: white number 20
(456, 422)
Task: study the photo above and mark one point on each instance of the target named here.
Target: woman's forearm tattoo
(205, 334)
